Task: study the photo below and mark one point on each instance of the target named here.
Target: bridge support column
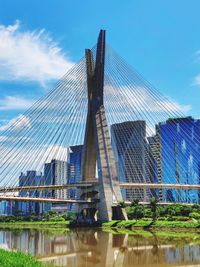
(97, 144)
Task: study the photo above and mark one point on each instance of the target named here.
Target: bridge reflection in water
(91, 247)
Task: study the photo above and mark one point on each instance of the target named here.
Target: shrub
(57, 219)
(69, 216)
(163, 211)
(136, 212)
(176, 210)
(186, 210)
(178, 218)
(194, 215)
(147, 213)
(134, 203)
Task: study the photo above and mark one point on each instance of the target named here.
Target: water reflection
(91, 247)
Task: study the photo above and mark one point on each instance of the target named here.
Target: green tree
(134, 203)
(154, 207)
(122, 204)
(69, 216)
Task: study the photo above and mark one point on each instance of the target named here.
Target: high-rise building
(8, 207)
(153, 170)
(130, 151)
(31, 178)
(177, 155)
(3, 205)
(55, 173)
(74, 169)
(74, 163)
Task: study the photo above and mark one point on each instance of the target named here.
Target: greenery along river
(89, 247)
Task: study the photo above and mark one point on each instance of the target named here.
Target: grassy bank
(49, 220)
(17, 259)
(129, 224)
(35, 225)
(150, 224)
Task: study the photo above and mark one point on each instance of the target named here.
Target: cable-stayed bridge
(136, 142)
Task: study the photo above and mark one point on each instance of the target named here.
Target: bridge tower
(97, 150)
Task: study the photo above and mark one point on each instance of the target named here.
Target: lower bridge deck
(93, 184)
(48, 200)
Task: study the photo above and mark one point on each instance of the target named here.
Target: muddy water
(92, 247)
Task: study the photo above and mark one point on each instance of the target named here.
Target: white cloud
(17, 123)
(137, 103)
(197, 80)
(33, 158)
(30, 55)
(15, 103)
(134, 101)
(171, 106)
(151, 103)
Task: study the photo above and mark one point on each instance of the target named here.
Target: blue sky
(40, 40)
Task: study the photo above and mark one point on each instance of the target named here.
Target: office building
(55, 173)
(130, 151)
(178, 157)
(30, 178)
(74, 169)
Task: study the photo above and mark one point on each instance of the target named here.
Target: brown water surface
(92, 247)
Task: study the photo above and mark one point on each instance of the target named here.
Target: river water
(97, 248)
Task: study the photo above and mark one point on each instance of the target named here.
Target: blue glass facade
(74, 169)
(28, 179)
(55, 173)
(130, 151)
(74, 163)
(179, 157)
(152, 164)
(8, 207)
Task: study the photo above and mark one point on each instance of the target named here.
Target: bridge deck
(160, 186)
(68, 201)
(40, 199)
(91, 184)
(45, 187)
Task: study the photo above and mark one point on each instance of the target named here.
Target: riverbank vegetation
(17, 259)
(159, 216)
(50, 216)
(150, 224)
(23, 225)
(172, 212)
(153, 215)
(48, 220)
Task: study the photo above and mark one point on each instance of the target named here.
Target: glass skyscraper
(177, 153)
(130, 151)
(74, 169)
(30, 178)
(55, 173)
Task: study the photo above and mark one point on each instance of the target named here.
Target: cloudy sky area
(41, 40)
